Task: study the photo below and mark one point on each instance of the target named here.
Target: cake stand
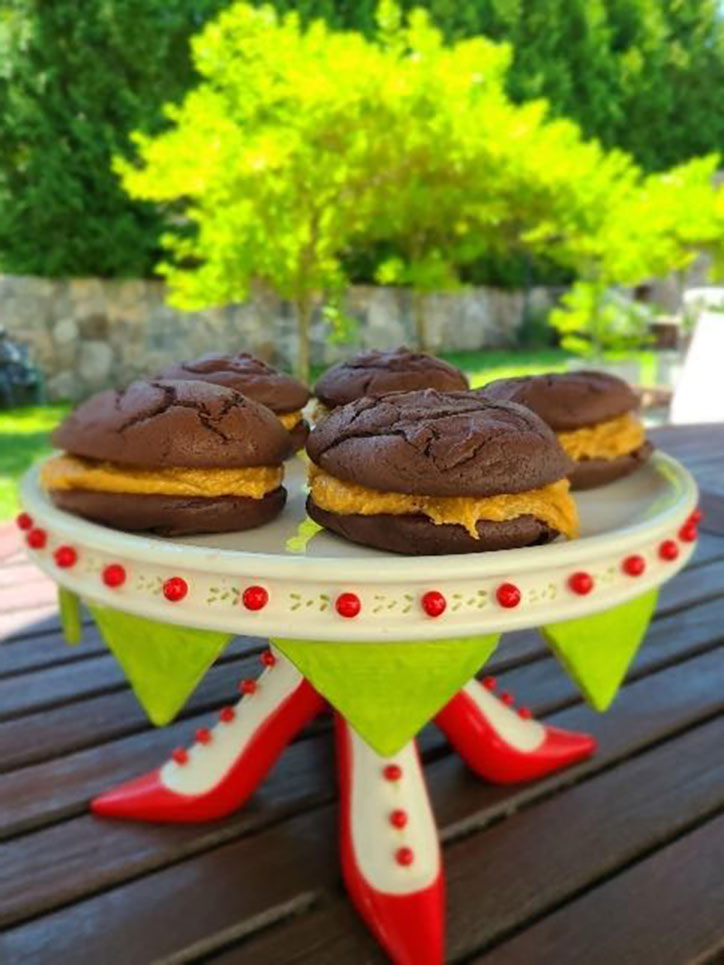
(387, 642)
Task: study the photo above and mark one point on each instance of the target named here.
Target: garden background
(516, 184)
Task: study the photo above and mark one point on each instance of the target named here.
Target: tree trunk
(303, 306)
(418, 314)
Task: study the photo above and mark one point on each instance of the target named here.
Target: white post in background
(699, 395)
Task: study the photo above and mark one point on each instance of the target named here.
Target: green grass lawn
(23, 439)
(24, 432)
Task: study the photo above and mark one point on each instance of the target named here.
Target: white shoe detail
(208, 763)
(375, 841)
(522, 734)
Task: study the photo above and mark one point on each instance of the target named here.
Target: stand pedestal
(389, 847)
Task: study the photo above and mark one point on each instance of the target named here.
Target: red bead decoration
(668, 550)
(392, 772)
(65, 556)
(508, 595)
(398, 818)
(490, 683)
(227, 714)
(634, 565)
(175, 589)
(267, 658)
(688, 532)
(348, 605)
(404, 856)
(525, 713)
(180, 755)
(248, 687)
(507, 699)
(434, 603)
(203, 735)
(255, 597)
(114, 575)
(23, 521)
(36, 539)
(696, 516)
(581, 583)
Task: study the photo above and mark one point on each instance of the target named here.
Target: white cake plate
(633, 516)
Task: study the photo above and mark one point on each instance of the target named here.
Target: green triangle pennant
(388, 691)
(70, 619)
(163, 663)
(597, 650)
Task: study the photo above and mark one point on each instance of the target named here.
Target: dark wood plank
(48, 650)
(91, 854)
(50, 732)
(621, 921)
(534, 860)
(505, 869)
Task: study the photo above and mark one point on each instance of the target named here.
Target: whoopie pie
(439, 472)
(284, 395)
(170, 457)
(377, 373)
(593, 415)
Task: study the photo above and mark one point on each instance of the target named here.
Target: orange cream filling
(289, 419)
(551, 504)
(607, 440)
(71, 472)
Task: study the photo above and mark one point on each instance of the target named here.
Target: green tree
(75, 78)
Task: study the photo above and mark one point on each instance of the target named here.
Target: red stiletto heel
(227, 762)
(503, 745)
(389, 849)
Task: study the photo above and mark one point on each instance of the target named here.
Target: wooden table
(618, 860)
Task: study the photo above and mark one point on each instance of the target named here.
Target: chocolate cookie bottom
(171, 515)
(416, 535)
(298, 435)
(590, 473)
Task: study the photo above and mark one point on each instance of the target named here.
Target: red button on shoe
(398, 818)
(392, 772)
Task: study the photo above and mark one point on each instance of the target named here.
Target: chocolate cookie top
(569, 400)
(246, 374)
(376, 373)
(165, 423)
(438, 444)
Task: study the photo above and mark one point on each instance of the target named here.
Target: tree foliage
(281, 163)
(75, 79)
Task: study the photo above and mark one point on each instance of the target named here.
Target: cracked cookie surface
(174, 423)
(378, 373)
(246, 374)
(438, 444)
(566, 400)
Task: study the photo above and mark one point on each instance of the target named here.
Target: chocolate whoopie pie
(593, 415)
(377, 373)
(284, 395)
(433, 472)
(170, 457)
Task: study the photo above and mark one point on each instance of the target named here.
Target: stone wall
(87, 334)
